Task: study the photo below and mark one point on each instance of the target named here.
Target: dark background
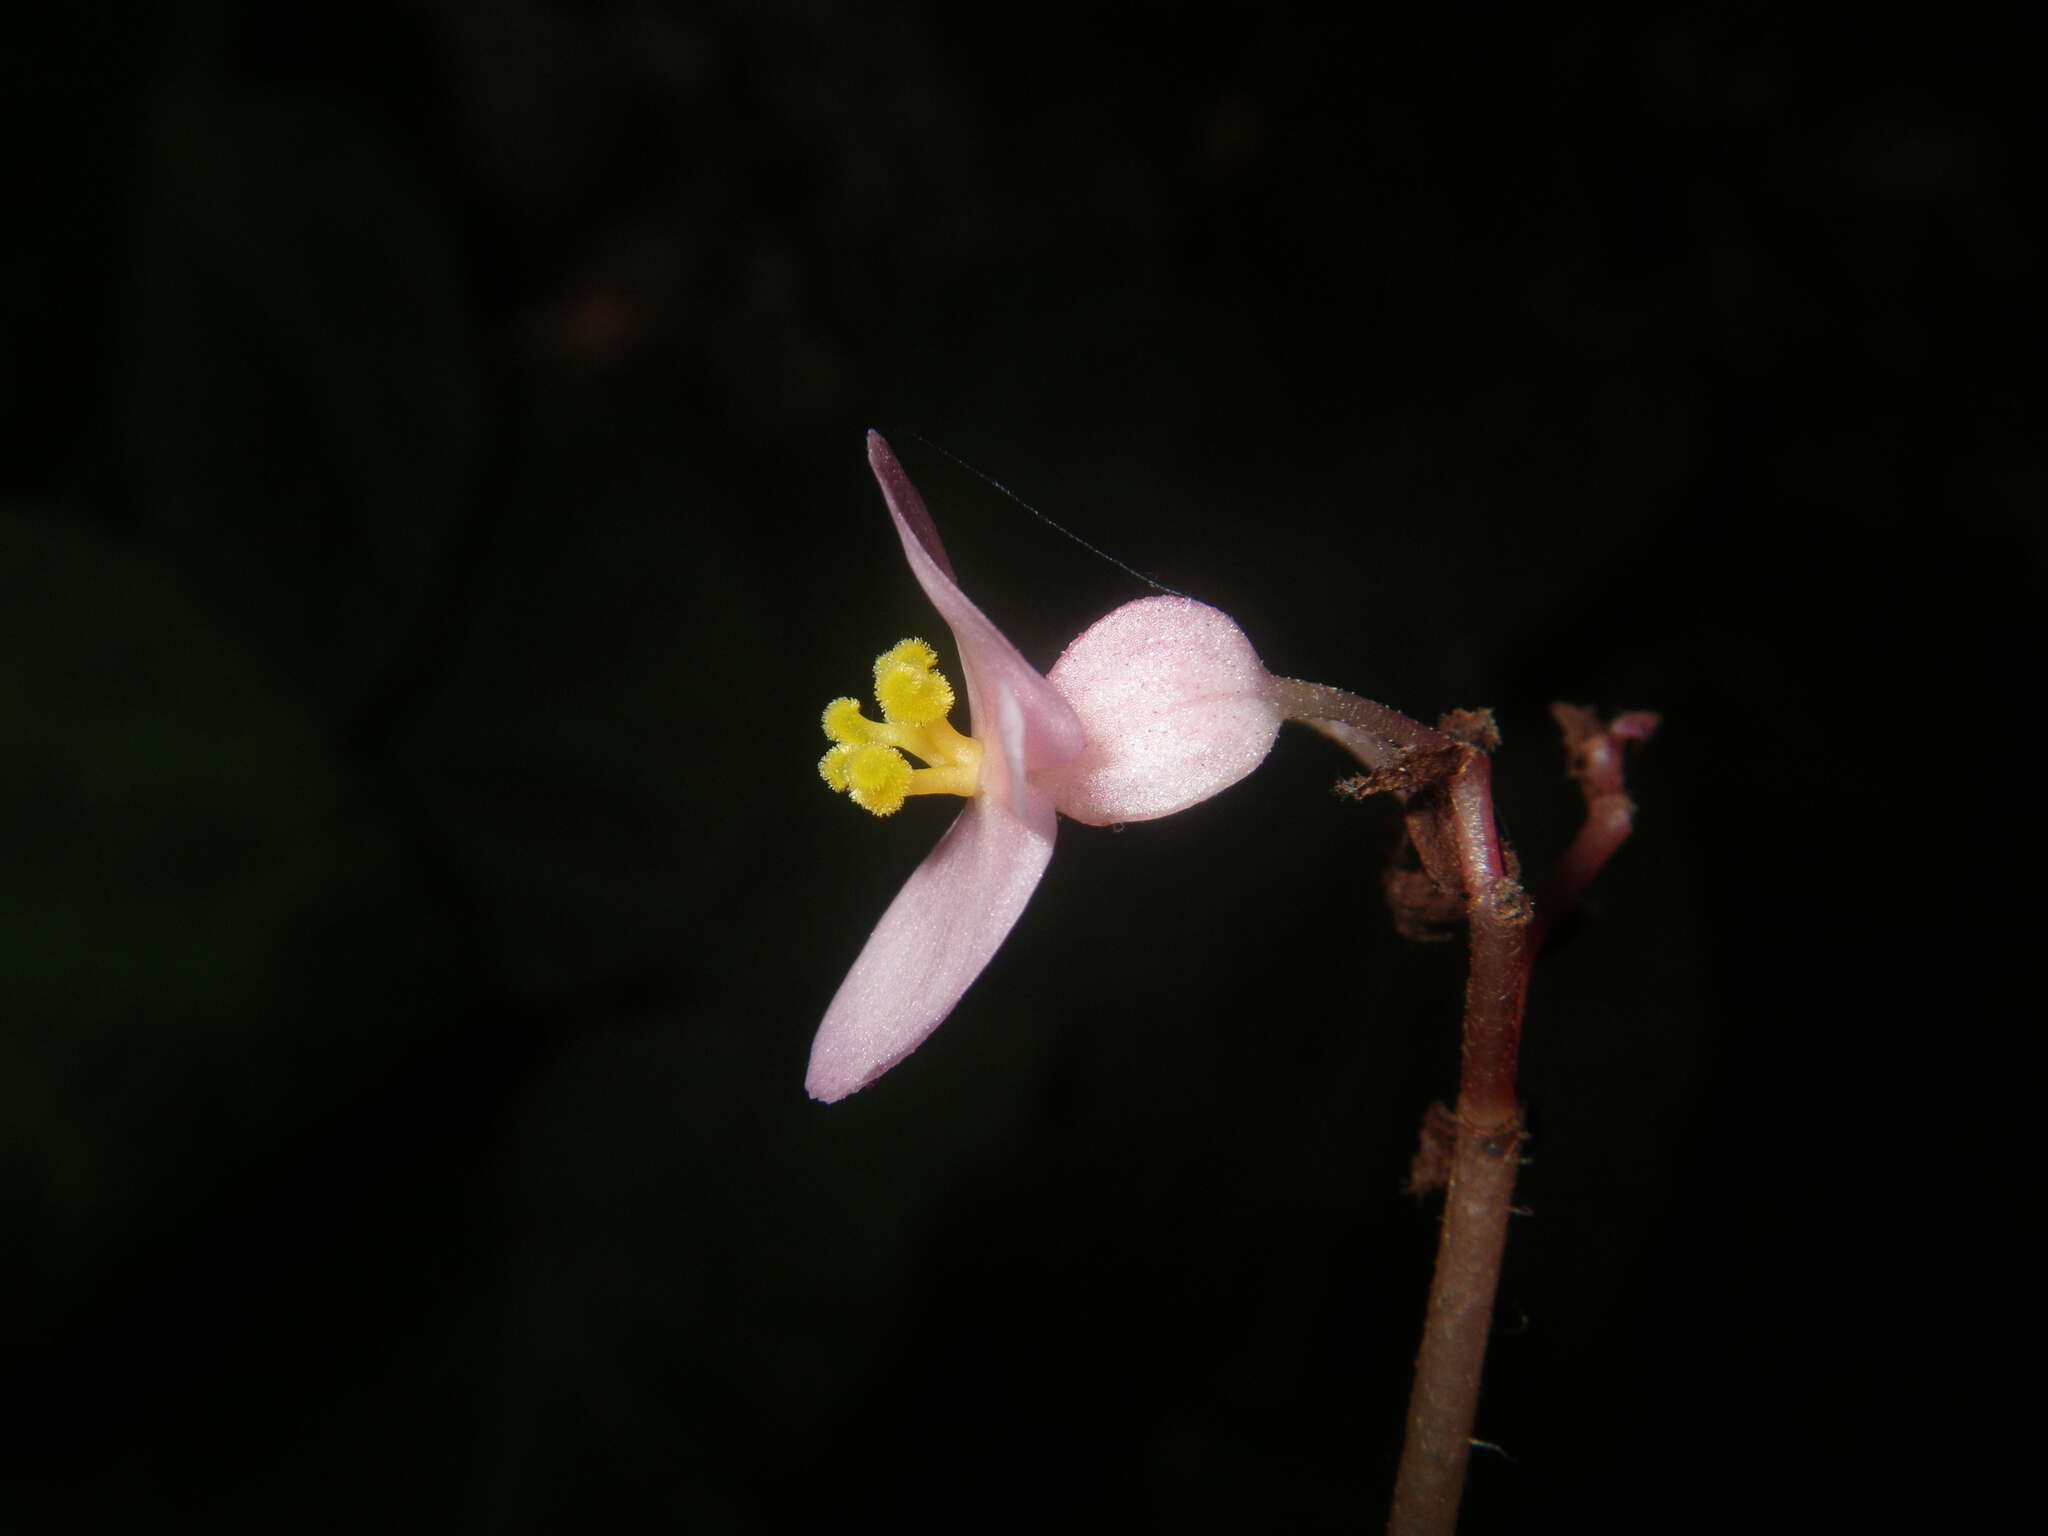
(434, 515)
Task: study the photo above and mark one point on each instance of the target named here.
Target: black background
(434, 514)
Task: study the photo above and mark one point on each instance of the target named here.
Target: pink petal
(1006, 696)
(951, 916)
(1173, 700)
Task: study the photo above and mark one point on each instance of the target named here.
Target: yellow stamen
(843, 722)
(867, 761)
(833, 767)
(911, 691)
(908, 653)
(877, 777)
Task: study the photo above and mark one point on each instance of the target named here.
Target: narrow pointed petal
(937, 936)
(1175, 706)
(1009, 699)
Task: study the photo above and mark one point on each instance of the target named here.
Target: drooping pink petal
(944, 925)
(1173, 701)
(1011, 703)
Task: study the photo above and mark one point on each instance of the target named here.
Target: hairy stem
(1497, 921)
(1445, 783)
(1445, 1398)
(1478, 1195)
(1377, 736)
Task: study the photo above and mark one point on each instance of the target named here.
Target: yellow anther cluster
(876, 776)
(909, 686)
(867, 761)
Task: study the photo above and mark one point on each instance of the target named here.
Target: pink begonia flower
(1154, 708)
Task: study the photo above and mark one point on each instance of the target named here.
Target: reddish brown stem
(1444, 1401)
(1445, 783)
(1486, 1150)
(1497, 917)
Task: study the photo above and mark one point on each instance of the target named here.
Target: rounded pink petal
(949, 919)
(1010, 701)
(1173, 700)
